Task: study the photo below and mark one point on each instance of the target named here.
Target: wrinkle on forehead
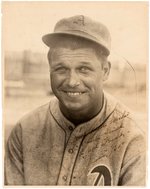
(68, 53)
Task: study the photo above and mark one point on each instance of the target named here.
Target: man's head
(78, 69)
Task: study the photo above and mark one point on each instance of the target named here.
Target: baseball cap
(83, 27)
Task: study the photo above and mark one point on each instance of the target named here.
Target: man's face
(77, 78)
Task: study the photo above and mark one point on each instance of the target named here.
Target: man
(83, 136)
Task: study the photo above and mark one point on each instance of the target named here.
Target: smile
(72, 94)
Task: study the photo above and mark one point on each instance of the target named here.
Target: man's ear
(106, 70)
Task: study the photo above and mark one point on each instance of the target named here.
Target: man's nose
(73, 79)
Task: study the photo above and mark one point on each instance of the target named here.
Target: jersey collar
(87, 127)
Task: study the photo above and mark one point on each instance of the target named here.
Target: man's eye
(60, 69)
(84, 69)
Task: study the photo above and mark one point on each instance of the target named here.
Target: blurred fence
(26, 73)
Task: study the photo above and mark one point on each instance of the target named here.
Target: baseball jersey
(45, 148)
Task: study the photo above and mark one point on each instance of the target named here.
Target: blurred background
(26, 82)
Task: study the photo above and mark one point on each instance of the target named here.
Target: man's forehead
(79, 52)
(74, 58)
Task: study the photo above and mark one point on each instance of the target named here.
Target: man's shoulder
(118, 107)
(33, 122)
(123, 115)
(38, 115)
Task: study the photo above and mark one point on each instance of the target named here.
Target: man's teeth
(74, 93)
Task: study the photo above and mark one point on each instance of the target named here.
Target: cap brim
(50, 39)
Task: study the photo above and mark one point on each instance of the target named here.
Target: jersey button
(64, 177)
(70, 128)
(70, 151)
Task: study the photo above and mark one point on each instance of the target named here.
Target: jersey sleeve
(14, 158)
(133, 171)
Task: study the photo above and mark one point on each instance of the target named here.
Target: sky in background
(24, 24)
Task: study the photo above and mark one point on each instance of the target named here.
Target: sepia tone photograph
(75, 93)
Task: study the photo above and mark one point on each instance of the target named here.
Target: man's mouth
(73, 94)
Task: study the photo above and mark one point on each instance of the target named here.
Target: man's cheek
(54, 78)
(56, 83)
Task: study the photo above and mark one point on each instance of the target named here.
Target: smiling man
(83, 136)
(77, 75)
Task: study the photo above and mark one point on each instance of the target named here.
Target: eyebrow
(57, 65)
(82, 63)
(85, 63)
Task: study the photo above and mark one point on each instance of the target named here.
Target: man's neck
(78, 117)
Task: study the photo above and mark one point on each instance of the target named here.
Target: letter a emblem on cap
(79, 20)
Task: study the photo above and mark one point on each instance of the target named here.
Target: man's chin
(74, 106)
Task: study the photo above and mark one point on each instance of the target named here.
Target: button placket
(70, 151)
(69, 160)
(70, 128)
(64, 177)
